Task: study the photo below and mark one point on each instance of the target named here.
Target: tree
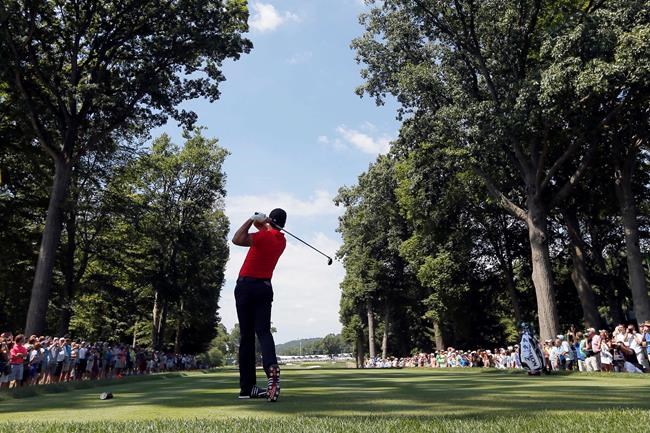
(220, 349)
(507, 84)
(87, 215)
(180, 228)
(377, 279)
(85, 72)
(22, 199)
(332, 344)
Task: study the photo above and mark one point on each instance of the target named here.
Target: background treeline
(104, 234)
(518, 188)
(331, 344)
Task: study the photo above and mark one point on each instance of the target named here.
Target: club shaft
(315, 249)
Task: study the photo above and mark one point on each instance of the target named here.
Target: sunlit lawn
(321, 400)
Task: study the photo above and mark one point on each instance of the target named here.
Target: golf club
(329, 259)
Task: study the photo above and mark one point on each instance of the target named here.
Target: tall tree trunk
(135, 334)
(371, 332)
(509, 279)
(384, 339)
(607, 280)
(47, 253)
(542, 270)
(68, 272)
(179, 329)
(157, 319)
(625, 195)
(163, 324)
(501, 246)
(579, 274)
(437, 335)
(360, 360)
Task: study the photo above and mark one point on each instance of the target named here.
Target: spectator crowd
(43, 360)
(625, 349)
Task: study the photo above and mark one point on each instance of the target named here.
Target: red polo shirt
(266, 248)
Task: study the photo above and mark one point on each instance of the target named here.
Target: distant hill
(293, 347)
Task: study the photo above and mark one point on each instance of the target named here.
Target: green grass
(339, 400)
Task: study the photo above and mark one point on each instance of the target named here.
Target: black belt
(251, 279)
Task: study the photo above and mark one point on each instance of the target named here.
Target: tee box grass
(340, 400)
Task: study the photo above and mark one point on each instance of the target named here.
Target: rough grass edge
(614, 419)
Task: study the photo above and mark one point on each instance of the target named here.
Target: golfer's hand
(259, 217)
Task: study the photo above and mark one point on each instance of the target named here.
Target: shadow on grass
(352, 393)
(56, 388)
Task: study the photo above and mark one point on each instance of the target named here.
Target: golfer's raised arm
(242, 237)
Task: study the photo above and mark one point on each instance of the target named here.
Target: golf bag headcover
(530, 355)
(278, 217)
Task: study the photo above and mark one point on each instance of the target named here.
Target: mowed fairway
(323, 400)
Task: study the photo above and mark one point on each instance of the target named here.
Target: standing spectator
(554, 355)
(61, 359)
(606, 355)
(516, 362)
(17, 356)
(441, 359)
(619, 334)
(5, 367)
(634, 341)
(67, 365)
(645, 339)
(52, 350)
(592, 362)
(485, 357)
(35, 363)
(82, 361)
(579, 343)
(569, 351)
(548, 345)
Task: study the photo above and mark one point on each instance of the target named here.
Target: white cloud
(363, 141)
(323, 139)
(266, 17)
(306, 289)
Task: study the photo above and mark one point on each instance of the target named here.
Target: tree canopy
(86, 74)
(516, 123)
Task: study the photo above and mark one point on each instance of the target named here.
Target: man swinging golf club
(254, 296)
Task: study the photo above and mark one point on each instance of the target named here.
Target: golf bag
(530, 355)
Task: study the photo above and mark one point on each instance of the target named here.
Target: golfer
(253, 296)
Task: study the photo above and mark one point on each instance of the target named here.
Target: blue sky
(296, 132)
